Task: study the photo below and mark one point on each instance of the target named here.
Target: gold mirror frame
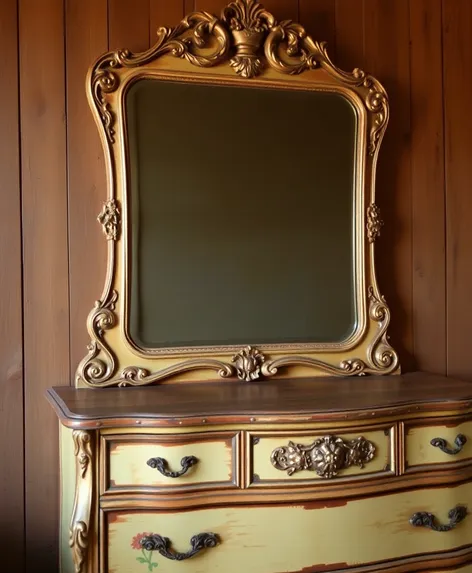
(246, 44)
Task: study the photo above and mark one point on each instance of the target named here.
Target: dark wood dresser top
(288, 400)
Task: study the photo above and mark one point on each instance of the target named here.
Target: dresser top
(275, 401)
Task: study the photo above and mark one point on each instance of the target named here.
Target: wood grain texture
(128, 24)
(387, 56)
(11, 348)
(166, 14)
(349, 18)
(427, 181)
(86, 39)
(46, 297)
(428, 291)
(320, 398)
(319, 19)
(458, 142)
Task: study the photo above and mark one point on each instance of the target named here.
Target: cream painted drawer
(283, 458)
(159, 462)
(453, 444)
(272, 539)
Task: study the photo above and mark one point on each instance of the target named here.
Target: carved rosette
(326, 456)
(110, 219)
(79, 532)
(374, 222)
(248, 363)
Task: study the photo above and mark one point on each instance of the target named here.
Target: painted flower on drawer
(146, 557)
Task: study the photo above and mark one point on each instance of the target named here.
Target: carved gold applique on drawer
(326, 456)
(438, 444)
(287, 458)
(159, 462)
(334, 535)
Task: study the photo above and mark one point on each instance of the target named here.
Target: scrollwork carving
(79, 532)
(244, 27)
(187, 40)
(250, 39)
(326, 456)
(248, 363)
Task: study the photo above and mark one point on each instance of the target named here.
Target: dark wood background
(52, 183)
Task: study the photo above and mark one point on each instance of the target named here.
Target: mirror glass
(242, 215)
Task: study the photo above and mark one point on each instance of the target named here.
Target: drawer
(452, 443)
(321, 536)
(159, 462)
(282, 458)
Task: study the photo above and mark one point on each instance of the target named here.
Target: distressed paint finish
(128, 467)
(265, 471)
(419, 450)
(275, 538)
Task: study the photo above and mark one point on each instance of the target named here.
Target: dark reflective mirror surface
(242, 215)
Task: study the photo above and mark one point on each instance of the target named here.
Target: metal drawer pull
(161, 544)
(161, 465)
(424, 519)
(460, 442)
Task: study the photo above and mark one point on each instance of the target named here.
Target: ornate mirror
(241, 218)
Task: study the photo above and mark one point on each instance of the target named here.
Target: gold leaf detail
(82, 450)
(248, 363)
(78, 542)
(374, 222)
(326, 456)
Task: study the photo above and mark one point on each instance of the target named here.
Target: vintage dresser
(240, 407)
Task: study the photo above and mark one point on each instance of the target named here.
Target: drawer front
(136, 462)
(292, 458)
(453, 443)
(287, 537)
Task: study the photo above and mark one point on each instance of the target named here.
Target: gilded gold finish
(246, 44)
(80, 522)
(248, 363)
(110, 219)
(249, 23)
(374, 222)
(326, 456)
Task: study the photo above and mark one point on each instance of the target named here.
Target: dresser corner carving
(79, 531)
(326, 456)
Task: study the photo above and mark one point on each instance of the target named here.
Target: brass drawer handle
(424, 519)
(154, 542)
(161, 465)
(440, 443)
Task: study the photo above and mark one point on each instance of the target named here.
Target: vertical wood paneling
(46, 297)
(387, 56)
(319, 19)
(458, 128)
(128, 24)
(212, 6)
(424, 200)
(11, 351)
(283, 9)
(427, 179)
(166, 14)
(86, 40)
(349, 15)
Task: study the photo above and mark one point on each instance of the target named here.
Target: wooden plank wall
(52, 183)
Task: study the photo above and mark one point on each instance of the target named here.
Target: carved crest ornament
(248, 40)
